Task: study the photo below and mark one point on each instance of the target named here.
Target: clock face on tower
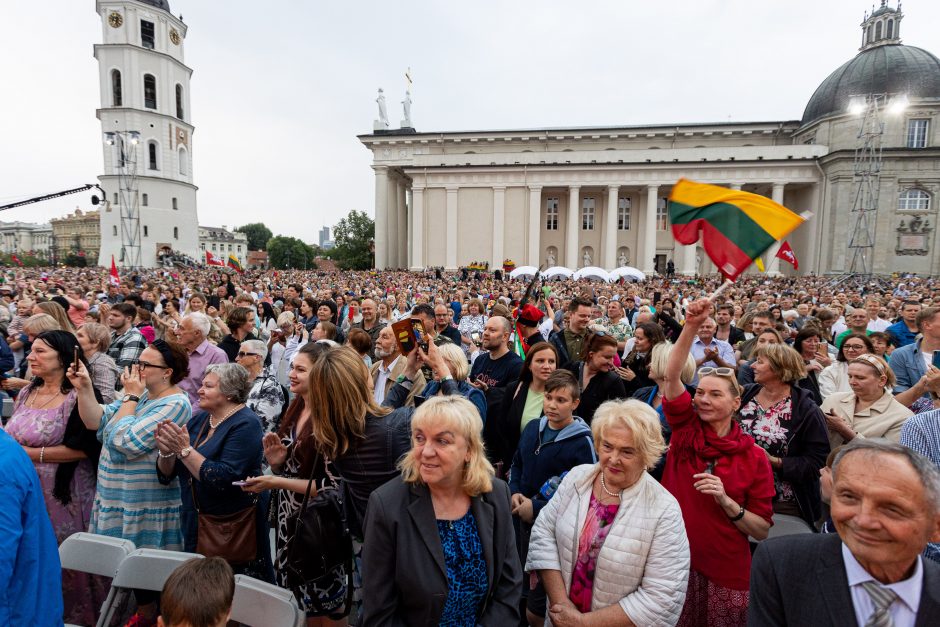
(174, 37)
(115, 19)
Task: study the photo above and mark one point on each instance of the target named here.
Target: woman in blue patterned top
(439, 544)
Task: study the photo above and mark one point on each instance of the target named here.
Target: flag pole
(721, 288)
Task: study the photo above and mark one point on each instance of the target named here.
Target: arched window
(150, 91)
(184, 162)
(117, 98)
(869, 33)
(877, 31)
(119, 147)
(152, 163)
(176, 232)
(890, 32)
(179, 101)
(913, 200)
(114, 231)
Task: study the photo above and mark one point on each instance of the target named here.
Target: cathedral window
(145, 200)
(551, 214)
(179, 101)
(116, 96)
(146, 231)
(623, 214)
(914, 200)
(587, 214)
(146, 34)
(176, 232)
(175, 205)
(917, 133)
(890, 32)
(183, 158)
(152, 155)
(662, 215)
(114, 231)
(150, 91)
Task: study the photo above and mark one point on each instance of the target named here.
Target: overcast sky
(281, 89)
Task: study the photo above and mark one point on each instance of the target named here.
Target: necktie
(882, 598)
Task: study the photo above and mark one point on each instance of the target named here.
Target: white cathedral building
(597, 196)
(147, 126)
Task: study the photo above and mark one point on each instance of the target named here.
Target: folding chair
(144, 569)
(95, 554)
(260, 604)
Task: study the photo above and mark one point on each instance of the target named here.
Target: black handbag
(321, 541)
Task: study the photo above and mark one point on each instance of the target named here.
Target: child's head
(562, 395)
(198, 594)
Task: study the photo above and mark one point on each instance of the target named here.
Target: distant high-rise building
(324, 235)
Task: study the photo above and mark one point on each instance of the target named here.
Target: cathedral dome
(883, 66)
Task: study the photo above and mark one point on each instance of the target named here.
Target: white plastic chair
(144, 569)
(261, 604)
(96, 555)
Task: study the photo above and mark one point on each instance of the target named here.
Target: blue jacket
(466, 390)
(900, 334)
(533, 465)
(6, 356)
(908, 366)
(30, 572)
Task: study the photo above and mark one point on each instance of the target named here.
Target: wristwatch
(185, 452)
(130, 397)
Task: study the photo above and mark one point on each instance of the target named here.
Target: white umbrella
(627, 272)
(523, 271)
(592, 272)
(558, 271)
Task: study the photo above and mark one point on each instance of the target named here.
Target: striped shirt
(130, 502)
(922, 434)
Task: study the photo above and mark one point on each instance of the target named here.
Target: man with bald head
(370, 322)
(499, 366)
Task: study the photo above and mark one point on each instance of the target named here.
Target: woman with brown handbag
(211, 455)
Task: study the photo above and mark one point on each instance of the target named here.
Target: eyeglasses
(146, 364)
(854, 347)
(244, 354)
(721, 372)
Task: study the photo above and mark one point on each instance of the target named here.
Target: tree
(353, 236)
(258, 235)
(289, 252)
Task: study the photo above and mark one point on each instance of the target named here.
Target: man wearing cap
(529, 318)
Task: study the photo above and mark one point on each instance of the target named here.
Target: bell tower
(147, 134)
(882, 27)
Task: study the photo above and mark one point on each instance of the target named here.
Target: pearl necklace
(604, 488)
(224, 418)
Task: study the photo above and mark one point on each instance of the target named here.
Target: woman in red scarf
(722, 480)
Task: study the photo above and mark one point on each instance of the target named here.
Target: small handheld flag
(113, 278)
(16, 260)
(735, 226)
(233, 262)
(786, 253)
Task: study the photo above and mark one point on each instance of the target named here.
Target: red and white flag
(212, 261)
(114, 279)
(16, 260)
(786, 253)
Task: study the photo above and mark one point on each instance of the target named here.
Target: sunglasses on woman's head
(721, 372)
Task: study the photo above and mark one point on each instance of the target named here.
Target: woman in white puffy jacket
(610, 547)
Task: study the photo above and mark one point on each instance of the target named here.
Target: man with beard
(389, 366)
(499, 366)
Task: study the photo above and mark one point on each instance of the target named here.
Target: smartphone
(823, 348)
(476, 338)
(420, 335)
(240, 483)
(710, 467)
(936, 359)
(75, 360)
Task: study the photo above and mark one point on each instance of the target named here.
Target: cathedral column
(409, 240)
(499, 222)
(533, 255)
(770, 260)
(417, 228)
(450, 248)
(648, 249)
(392, 220)
(402, 226)
(610, 228)
(571, 230)
(381, 217)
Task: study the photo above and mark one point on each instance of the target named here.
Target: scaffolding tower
(867, 176)
(128, 195)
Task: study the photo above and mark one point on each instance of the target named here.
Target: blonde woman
(439, 543)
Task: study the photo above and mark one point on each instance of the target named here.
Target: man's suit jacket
(398, 369)
(402, 554)
(801, 580)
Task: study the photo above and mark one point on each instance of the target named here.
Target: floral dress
(596, 527)
(772, 431)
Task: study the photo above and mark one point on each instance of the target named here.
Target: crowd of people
(406, 483)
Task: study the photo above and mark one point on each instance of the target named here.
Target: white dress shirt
(381, 377)
(903, 611)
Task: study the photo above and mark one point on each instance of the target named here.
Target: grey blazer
(800, 580)
(403, 572)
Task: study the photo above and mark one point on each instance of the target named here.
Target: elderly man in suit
(389, 366)
(886, 508)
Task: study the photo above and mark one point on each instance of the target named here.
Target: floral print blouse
(596, 527)
(771, 429)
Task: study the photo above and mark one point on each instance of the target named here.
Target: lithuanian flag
(735, 226)
(233, 262)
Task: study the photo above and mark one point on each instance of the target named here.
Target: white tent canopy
(557, 271)
(528, 271)
(592, 272)
(628, 273)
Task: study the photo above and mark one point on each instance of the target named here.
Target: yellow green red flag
(735, 226)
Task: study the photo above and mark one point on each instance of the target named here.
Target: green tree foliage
(258, 235)
(289, 252)
(353, 235)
